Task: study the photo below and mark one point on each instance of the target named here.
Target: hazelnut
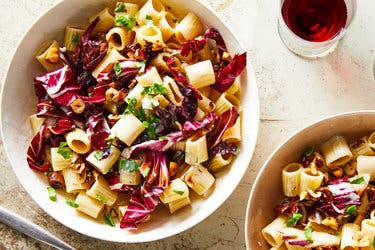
(53, 55)
(78, 106)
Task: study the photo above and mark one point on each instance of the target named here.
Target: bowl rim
(277, 149)
(256, 107)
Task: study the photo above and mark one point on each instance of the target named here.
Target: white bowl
(267, 189)
(18, 102)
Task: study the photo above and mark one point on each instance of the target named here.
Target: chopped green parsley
(294, 220)
(309, 150)
(360, 180)
(117, 68)
(125, 21)
(128, 165)
(51, 193)
(98, 155)
(101, 198)
(64, 150)
(71, 203)
(108, 218)
(308, 234)
(120, 8)
(179, 192)
(75, 39)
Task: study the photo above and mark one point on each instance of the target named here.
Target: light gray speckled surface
(292, 91)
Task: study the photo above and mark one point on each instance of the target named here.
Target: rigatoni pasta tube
(151, 34)
(233, 134)
(178, 204)
(206, 104)
(135, 93)
(235, 88)
(200, 74)
(198, 178)
(348, 232)
(152, 8)
(218, 162)
(175, 191)
(366, 165)
(189, 28)
(361, 147)
(88, 205)
(318, 239)
(59, 162)
(336, 151)
(72, 37)
(291, 179)
(167, 24)
(130, 9)
(196, 150)
(149, 78)
(127, 129)
(119, 37)
(105, 164)
(309, 181)
(112, 57)
(368, 228)
(35, 123)
(106, 21)
(160, 61)
(49, 56)
(271, 232)
(226, 102)
(101, 191)
(73, 181)
(78, 141)
(174, 94)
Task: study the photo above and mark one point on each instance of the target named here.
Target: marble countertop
(293, 92)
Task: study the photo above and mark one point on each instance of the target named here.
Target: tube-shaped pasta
(233, 134)
(199, 179)
(205, 53)
(318, 239)
(368, 228)
(130, 9)
(129, 176)
(163, 102)
(199, 116)
(154, 9)
(88, 205)
(366, 165)
(361, 147)
(336, 151)
(235, 88)
(189, 28)
(196, 150)
(206, 104)
(35, 123)
(177, 204)
(106, 21)
(271, 232)
(101, 191)
(226, 102)
(119, 37)
(174, 95)
(218, 162)
(78, 141)
(49, 56)
(371, 140)
(200, 74)
(176, 190)
(59, 162)
(135, 93)
(112, 57)
(167, 24)
(151, 34)
(309, 180)
(73, 181)
(149, 78)
(103, 165)
(160, 62)
(72, 37)
(127, 129)
(291, 178)
(349, 237)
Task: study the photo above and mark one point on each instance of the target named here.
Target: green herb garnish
(101, 198)
(125, 22)
(128, 165)
(117, 68)
(308, 233)
(164, 138)
(309, 150)
(51, 193)
(148, 19)
(141, 65)
(373, 242)
(48, 171)
(108, 218)
(360, 180)
(120, 8)
(156, 89)
(150, 128)
(71, 203)
(175, 20)
(64, 151)
(179, 192)
(293, 221)
(351, 210)
(99, 155)
(75, 39)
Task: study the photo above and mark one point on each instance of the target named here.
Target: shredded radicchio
(144, 200)
(35, 152)
(228, 74)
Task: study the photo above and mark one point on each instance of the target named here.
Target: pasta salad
(140, 108)
(330, 198)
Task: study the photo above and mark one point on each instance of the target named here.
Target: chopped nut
(53, 55)
(330, 222)
(78, 106)
(226, 56)
(110, 94)
(350, 168)
(338, 172)
(173, 168)
(112, 119)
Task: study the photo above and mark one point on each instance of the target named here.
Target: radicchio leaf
(227, 120)
(194, 46)
(98, 132)
(129, 70)
(63, 125)
(61, 85)
(36, 150)
(228, 74)
(189, 103)
(214, 34)
(46, 108)
(189, 128)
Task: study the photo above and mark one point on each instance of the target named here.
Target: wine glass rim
(338, 36)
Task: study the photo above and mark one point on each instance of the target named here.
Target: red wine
(315, 20)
